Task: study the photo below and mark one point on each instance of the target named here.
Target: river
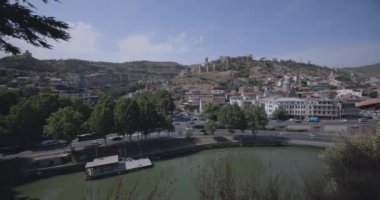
(176, 176)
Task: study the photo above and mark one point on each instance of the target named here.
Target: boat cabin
(103, 166)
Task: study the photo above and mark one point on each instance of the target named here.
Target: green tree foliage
(164, 123)
(149, 116)
(65, 124)
(164, 102)
(17, 20)
(155, 110)
(27, 118)
(77, 105)
(255, 82)
(232, 117)
(22, 122)
(101, 119)
(210, 111)
(7, 100)
(279, 114)
(255, 117)
(303, 83)
(210, 127)
(355, 167)
(343, 78)
(127, 116)
(373, 94)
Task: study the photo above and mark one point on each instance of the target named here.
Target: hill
(228, 71)
(100, 72)
(365, 71)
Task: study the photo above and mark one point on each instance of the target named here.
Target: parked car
(49, 143)
(343, 120)
(361, 120)
(95, 143)
(313, 136)
(86, 136)
(117, 138)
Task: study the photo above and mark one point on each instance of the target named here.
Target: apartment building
(302, 108)
(294, 107)
(324, 108)
(240, 101)
(344, 92)
(210, 98)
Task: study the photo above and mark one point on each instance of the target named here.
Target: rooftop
(103, 161)
(282, 99)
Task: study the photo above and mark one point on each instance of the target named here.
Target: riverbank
(166, 148)
(176, 175)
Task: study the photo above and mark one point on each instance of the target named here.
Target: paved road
(183, 127)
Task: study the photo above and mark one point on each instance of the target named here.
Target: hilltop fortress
(221, 64)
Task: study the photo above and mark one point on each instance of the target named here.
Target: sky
(333, 33)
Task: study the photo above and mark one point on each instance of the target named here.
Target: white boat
(111, 165)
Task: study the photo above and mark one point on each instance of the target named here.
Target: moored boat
(111, 165)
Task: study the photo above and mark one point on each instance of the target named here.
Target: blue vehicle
(313, 119)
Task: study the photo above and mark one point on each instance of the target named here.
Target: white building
(240, 101)
(217, 91)
(352, 92)
(295, 107)
(193, 100)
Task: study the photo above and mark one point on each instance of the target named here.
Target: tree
(237, 117)
(210, 111)
(168, 126)
(101, 118)
(148, 115)
(223, 117)
(127, 116)
(343, 78)
(255, 117)
(7, 100)
(279, 114)
(17, 20)
(27, 118)
(164, 102)
(261, 117)
(354, 166)
(210, 127)
(77, 105)
(23, 122)
(232, 117)
(373, 94)
(65, 124)
(303, 83)
(164, 123)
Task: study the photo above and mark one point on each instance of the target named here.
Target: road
(186, 127)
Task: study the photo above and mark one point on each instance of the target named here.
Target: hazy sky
(327, 32)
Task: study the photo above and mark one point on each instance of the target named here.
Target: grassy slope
(366, 71)
(32, 66)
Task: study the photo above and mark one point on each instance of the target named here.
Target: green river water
(178, 174)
